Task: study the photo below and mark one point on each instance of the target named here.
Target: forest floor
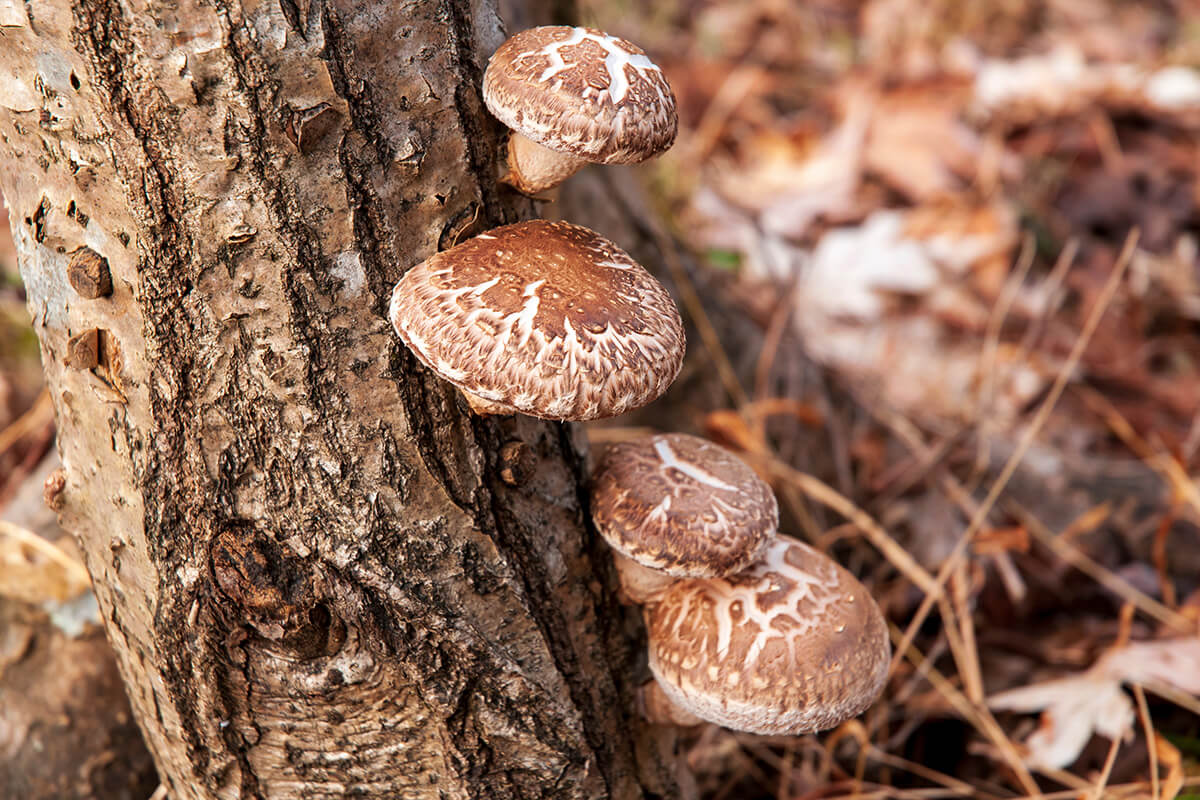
(964, 238)
(968, 235)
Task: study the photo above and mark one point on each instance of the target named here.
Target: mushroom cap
(682, 505)
(794, 644)
(543, 318)
(583, 92)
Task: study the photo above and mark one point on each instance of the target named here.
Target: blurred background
(946, 273)
(940, 262)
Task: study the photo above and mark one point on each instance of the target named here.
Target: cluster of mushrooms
(544, 318)
(746, 629)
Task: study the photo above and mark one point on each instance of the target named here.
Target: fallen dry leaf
(1076, 707)
(876, 300)
(45, 573)
(919, 145)
(853, 269)
(993, 541)
(1064, 81)
(788, 184)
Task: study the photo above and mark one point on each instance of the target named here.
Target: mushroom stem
(533, 168)
(487, 408)
(659, 709)
(640, 584)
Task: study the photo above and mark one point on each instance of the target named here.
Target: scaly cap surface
(543, 318)
(583, 92)
(682, 505)
(794, 644)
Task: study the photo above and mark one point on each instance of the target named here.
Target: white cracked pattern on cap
(583, 92)
(794, 644)
(543, 318)
(682, 505)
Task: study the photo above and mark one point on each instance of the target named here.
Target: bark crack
(102, 35)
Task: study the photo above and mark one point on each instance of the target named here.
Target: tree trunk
(315, 579)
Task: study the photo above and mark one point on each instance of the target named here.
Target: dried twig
(1025, 442)
(979, 716)
(963, 788)
(1106, 771)
(828, 496)
(1049, 289)
(1144, 714)
(1162, 462)
(695, 308)
(991, 337)
(1098, 572)
(37, 415)
(968, 668)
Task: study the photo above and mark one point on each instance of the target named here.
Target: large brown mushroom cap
(682, 505)
(543, 318)
(582, 92)
(793, 645)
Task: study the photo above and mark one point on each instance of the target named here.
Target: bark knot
(89, 275)
(274, 593)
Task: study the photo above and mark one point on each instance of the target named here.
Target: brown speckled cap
(582, 92)
(543, 318)
(682, 505)
(794, 644)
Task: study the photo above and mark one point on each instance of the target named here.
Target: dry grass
(1011, 538)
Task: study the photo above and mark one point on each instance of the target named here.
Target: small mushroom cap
(794, 644)
(583, 92)
(682, 505)
(543, 318)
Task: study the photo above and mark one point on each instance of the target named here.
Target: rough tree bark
(316, 580)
